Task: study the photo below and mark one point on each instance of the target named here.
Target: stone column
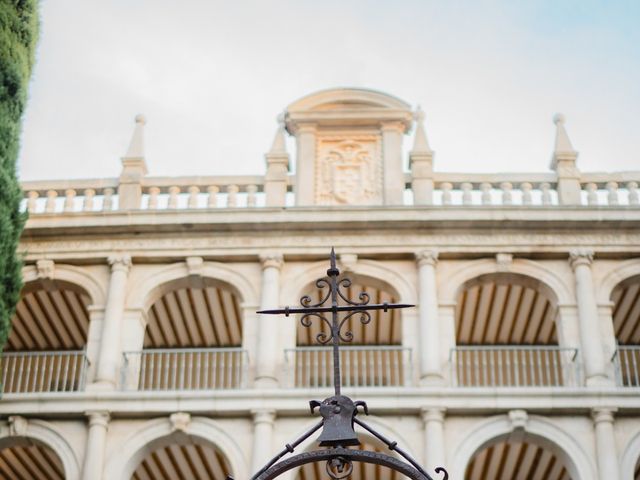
(429, 345)
(590, 338)
(434, 449)
(110, 340)
(305, 163)
(267, 362)
(393, 173)
(263, 421)
(608, 467)
(96, 441)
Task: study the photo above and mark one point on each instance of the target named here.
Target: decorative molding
(580, 256)
(348, 262)
(45, 269)
(119, 262)
(271, 260)
(180, 421)
(18, 426)
(195, 266)
(427, 257)
(504, 262)
(518, 419)
(348, 170)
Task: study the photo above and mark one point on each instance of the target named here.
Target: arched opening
(373, 357)
(506, 459)
(45, 351)
(626, 325)
(193, 338)
(506, 334)
(22, 458)
(182, 457)
(361, 471)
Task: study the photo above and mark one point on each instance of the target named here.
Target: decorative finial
(140, 118)
(136, 146)
(420, 142)
(558, 118)
(419, 114)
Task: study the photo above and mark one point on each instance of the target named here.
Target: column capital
(580, 256)
(271, 260)
(119, 262)
(426, 257)
(98, 417)
(603, 414)
(432, 414)
(393, 127)
(263, 415)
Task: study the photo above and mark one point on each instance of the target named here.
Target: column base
(266, 383)
(599, 381)
(101, 386)
(432, 380)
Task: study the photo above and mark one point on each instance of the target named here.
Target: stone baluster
(251, 195)
(590, 336)
(466, 193)
(592, 193)
(526, 188)
(605, 443)
(50, 205)
(96, 441)
(87, 204)
(429, 331)
(32, 202)
(212, 200)
(268, 325)
(446, 193)
(69, 200)
(173, 197)
(232, 195)
(612, 196)
(154, 192)
(506, 188)
(633, 193)
(263, 421)
(193, 197)
(114, 309)
(485, 197)
(545, 188)
(434, 441)
(107, 199)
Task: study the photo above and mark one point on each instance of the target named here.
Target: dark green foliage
(18, 37)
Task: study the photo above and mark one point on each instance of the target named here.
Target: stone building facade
(136, 350)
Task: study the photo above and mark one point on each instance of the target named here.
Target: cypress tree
(18, 37)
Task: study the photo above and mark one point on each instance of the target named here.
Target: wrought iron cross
(318, 310)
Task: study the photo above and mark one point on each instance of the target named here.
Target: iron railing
(627, 364)
(37, 372)
(362, 366)
(514, 366)
(185, 369)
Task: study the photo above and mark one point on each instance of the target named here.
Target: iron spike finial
(333, 270)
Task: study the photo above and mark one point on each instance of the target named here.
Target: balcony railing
(362, 366)
(627, 365)
(514, 366)
(37, 372)
(184, 369)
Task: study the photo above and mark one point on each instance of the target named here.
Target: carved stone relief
(348, 171)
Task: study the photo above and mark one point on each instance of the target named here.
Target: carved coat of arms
(347, 173)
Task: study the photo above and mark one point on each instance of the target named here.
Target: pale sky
(211, 78)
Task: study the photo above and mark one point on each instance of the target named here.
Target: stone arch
(46, 434)
(451, 286)
(371, 270)
(630, 458)
(155, 284)
(362, 97)
(154, 434)
(538, 429)
(619, 273)
(72, 275)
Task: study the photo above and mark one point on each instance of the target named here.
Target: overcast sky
(211, 78)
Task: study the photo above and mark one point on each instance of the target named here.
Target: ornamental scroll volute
(349, 171)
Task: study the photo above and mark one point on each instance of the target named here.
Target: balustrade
(362, 366)
(627, 364)
(184, 369)
(38, 372)
(514, 366)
